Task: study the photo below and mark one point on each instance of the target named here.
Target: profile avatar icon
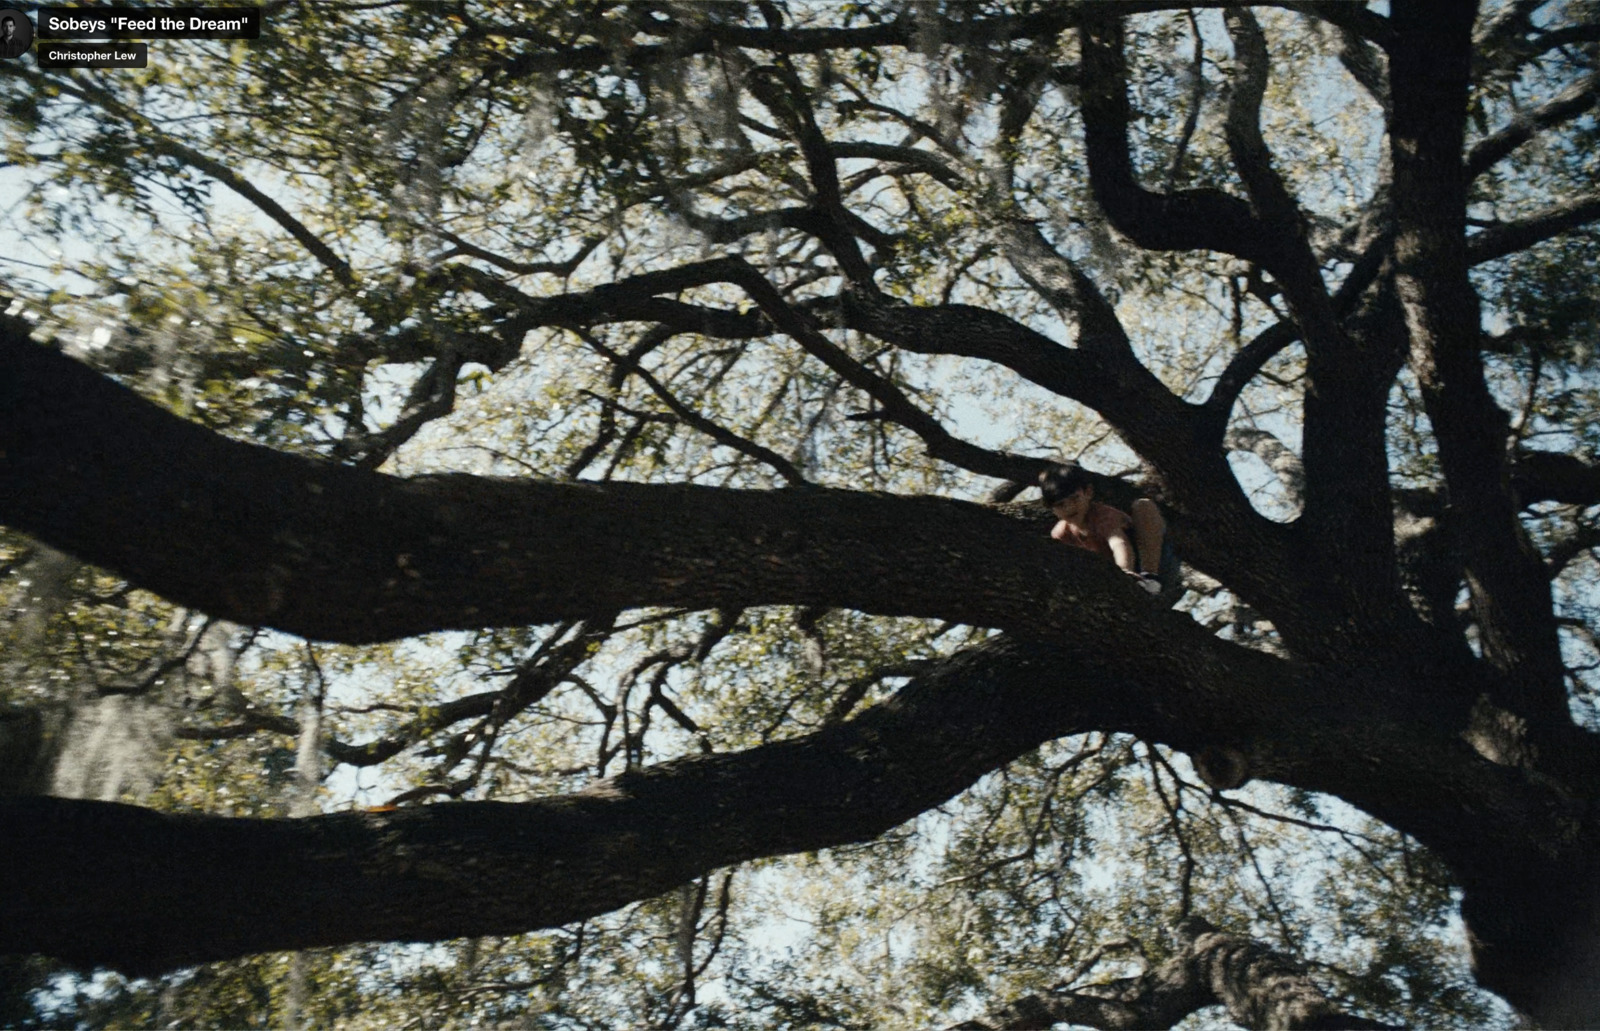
(16, 33)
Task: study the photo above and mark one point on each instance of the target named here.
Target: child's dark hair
(1061, 480)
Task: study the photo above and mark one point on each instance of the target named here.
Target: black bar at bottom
(55, 53)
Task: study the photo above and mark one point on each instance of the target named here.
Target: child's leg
(1149, 532)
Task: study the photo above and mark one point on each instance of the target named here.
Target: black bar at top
(122, 22)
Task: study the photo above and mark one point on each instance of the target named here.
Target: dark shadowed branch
(1259, 988)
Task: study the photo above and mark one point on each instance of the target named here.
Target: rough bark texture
(1258, 987)
(336, 553)
(79, 471)
(179, 889)
(344, 554)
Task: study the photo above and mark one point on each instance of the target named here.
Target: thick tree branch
(1364, 62)
(1565, 106)
(1297, 272)
(178, 889)
(1268, 195)
(1554, 476)
(213, 887)
(1429, 564)
(1565, 548)
(1259, 988)
(346, 554)
(1429, 67)
(1344, 448)
(1505, 238)
(1102, 340)
(1195, 483)
(337, 553)
(1200, 219)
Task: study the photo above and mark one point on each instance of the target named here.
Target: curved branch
(1246, 145)
(1200, 219)
(432, 396)
(466, 248)
(1505, 238)
(1348, 17)
(214, 887)
(1259, 987)
(1565, 106)
(483, 868)
(1279, 214)
(925, 161)
(1243, 367)
(163, 144)
(338, 553)
(1364, 62)
(370, 753)
(717, 432)
(631, 299)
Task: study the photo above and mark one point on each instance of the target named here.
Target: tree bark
(333, 552)
(177, 889)
(1430, 69)
(1259, 987)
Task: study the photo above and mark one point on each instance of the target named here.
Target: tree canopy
(551, 481)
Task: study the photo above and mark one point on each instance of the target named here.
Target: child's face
(1074, 505)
